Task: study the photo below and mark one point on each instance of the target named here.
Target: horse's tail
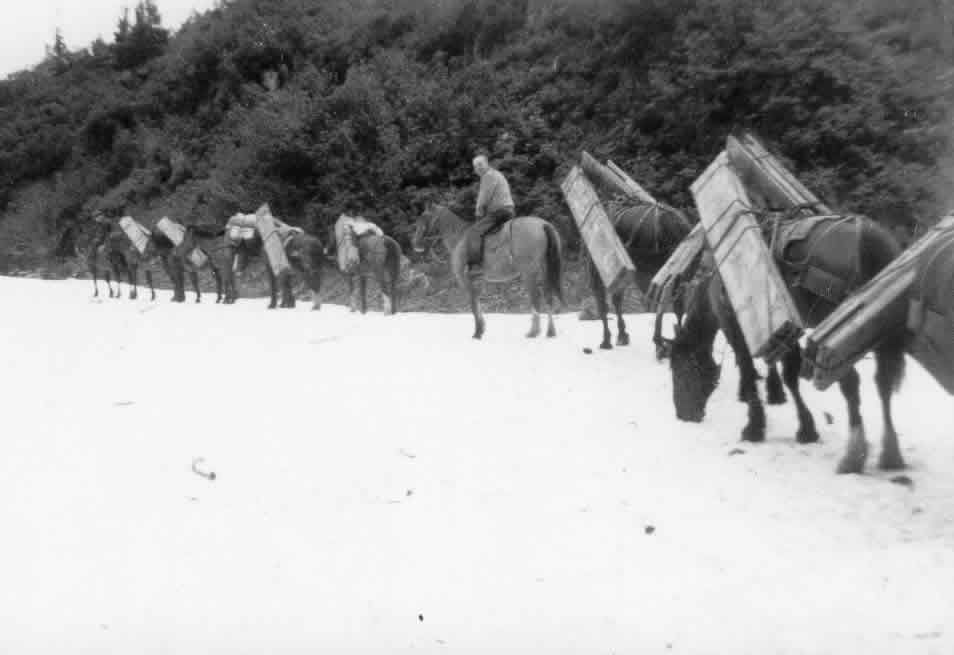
(554, 259)
(393, 258)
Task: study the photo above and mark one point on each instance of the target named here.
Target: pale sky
(29, 25)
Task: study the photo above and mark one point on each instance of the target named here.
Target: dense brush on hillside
(377, 106)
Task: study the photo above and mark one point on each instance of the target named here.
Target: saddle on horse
(805, 269)
(477, 235)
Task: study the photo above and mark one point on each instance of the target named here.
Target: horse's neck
(452, 228)
(102, 234)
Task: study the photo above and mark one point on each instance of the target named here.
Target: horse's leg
(530, 283)
(599, 295)
(394, 293)
(133, 272)
(352, 307)
(273, 302)
(383, 290)
(856, 452)
(117, 273)
(479, 324)
(362, 290)
(622, 337)
(109, 280)
(230, 273)
(194, 274)
(754, 430)
(663, 346)
(387, 292)
(152, 288)
(791, 366)
(890, 370)
(313, 276)
(218, 283)
(92, 269)
(287, 291)
(775, 394)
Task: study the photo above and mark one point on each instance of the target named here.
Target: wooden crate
(271, 241)
(764, 175)
(136, 233)
(678, 268)
(612, 178)
(176, 233)
(856, 325)
(762, 304)
(599, 236)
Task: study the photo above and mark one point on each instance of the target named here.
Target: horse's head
(695, 375)
(423, 225)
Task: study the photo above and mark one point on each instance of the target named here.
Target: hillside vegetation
(378, 106)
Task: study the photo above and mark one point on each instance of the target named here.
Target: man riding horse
(494, 208)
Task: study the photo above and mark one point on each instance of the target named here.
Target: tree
(58, 55)
(142, 40)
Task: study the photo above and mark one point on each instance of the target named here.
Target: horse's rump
(931, 312)
(820, 255)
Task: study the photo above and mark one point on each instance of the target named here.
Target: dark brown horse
(527, 247)
(113, 248)
(199, 251)
(380, 257)
(650, 233)
(850, 249)
(100, 253)
(305, 254)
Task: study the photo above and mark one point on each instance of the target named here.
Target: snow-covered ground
(388, 485)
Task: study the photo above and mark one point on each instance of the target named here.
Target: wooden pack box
(271, 241)
(888, 300)
(613, 178)
(599, 236)
(762, 304)
(176, 233)
(765, 176)
(136, 233)
(678, 268)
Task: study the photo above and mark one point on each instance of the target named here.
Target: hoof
(807, 436)
(533, 334)
(850, 465)
(551, 333)
(606, 345)
(753, 434)
(197, 301)
(622, 339)
(891, 462)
